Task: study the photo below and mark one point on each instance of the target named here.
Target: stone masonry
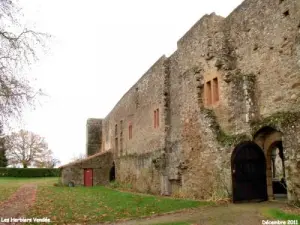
(230, 80)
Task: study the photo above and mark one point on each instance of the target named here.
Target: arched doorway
(248, 166)
(112, 173)
(270, 140)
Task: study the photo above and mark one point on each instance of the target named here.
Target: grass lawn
(8, 185)
(173, 223)
(99, 204)
(281, 215)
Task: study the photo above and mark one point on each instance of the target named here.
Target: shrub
(29, 172)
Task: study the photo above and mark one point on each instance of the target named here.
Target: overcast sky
(99, 50)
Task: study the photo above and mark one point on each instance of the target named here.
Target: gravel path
(18, 204)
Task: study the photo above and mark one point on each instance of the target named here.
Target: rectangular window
(116, 130)
(116, 144)
(154, 118)
(130, 131)
(215, 90)
(157, 118)
(208, 93)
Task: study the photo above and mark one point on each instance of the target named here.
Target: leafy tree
(28, 149)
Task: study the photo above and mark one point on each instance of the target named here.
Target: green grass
(173, 223)
(280, 215)
(99, 204)
(9, 185)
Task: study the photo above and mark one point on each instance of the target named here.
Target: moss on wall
(223, 138)
(277, 121)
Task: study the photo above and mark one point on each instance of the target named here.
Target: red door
(88, 177)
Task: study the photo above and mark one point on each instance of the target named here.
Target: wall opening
(286, 13)
(112, 173)
(208, 93)
(270, 141)
(156, 118)
(248, 167)
(130, 131)
(215, 90)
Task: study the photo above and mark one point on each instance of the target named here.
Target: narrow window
(130, 131)
(121, 125)
(208, 93)
(157, 118)
(116, 130)
(215, 90)
(116, 144)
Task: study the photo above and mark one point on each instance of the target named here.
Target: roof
(85, 159)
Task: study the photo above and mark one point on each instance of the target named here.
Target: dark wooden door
(248, 167)
(88, 177)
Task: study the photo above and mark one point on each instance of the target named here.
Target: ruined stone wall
(100, 163)
(265, 38)
(136, 108)
(254, 52)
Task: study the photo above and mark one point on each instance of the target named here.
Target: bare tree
(18, 50)
(27, 148)
(48, 162)
(78, 157)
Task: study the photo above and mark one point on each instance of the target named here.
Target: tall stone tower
(93, 136)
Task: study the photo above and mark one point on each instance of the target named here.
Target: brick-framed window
(130, 131)
(156, 118)
(208, 93)
(212, 91)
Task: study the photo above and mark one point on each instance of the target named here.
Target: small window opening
(208, 93)
(281, 1)
(130, 131)
(156, 118)
(112, 173)
(286, 13)
(215, 90)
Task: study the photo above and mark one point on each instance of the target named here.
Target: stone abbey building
(219, 117)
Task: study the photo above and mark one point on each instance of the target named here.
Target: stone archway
(248, 166)
(270, 140)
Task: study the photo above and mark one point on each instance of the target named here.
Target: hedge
(29, 172)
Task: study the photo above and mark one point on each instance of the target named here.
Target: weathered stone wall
(136, 108)
(101, 163)
(94, 136)
(140, 172)
(255, 55)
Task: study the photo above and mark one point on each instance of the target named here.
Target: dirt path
(16, 206)
(231, 214)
